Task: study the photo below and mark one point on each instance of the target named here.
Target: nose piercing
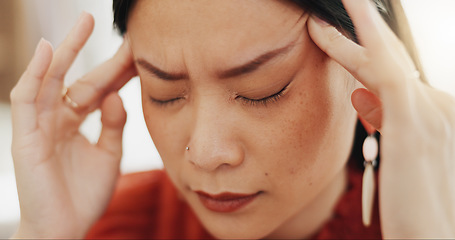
(187, 148)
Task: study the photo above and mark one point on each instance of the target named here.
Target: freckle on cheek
(266, 174)
(292, 171)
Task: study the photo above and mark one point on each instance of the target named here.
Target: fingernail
(81, 16)
(39, 46)
(319, 21)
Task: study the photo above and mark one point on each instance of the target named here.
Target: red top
(146, 205)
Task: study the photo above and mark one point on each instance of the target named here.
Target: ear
(368, 107)
(368, 127)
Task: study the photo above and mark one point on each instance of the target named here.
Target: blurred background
(26, 21)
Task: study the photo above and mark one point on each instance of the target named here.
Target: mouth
(226, 202)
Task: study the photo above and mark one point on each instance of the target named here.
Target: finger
(368, 23)
(347, 53)
(368, 106)
(108, 77)
(28, 86)
(390, 63)
(64, 56)
(380, 69)
(113, 118)
(389, 73)
(23, 96)
(333, 43)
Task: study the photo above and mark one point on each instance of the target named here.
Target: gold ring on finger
(70, 102)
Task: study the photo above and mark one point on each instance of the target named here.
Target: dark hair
(333, 12)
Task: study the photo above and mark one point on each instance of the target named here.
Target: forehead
(219, 27)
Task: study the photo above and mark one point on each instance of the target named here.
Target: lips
(226, 202)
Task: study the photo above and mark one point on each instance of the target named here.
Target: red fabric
(146, 206)
(347, 220)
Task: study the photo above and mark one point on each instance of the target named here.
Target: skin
(64, 182)
(416, 121)
(280, 148)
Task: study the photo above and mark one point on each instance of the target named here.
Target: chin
(233, 233)
(237, 229)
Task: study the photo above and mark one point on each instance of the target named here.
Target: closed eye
(165, 103)
(266, 100)
(250, 101)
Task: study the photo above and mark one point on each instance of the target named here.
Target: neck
(309, 221)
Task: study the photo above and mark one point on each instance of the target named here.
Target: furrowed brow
(232, 72)
(161, 73)
(255, 63)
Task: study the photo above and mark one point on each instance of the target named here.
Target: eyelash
(266, 100)
(165, 103)
(253, 102)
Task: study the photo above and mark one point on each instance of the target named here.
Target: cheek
(303, 126)
(310, 140)
(165, 130)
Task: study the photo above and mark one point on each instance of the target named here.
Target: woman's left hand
(417, 124)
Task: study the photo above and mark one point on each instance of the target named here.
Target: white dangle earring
(370, 153)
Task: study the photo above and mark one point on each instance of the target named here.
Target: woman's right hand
(65, 182)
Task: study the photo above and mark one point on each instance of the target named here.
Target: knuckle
(394, 79)
(74, 50)
(67, 50)
(121, 61)
(363, 59)
(72, 47)
(91, 87)
(363, 63)
(334, 37)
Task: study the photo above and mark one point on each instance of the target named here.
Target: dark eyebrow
(160, 73)
(233, 72)
(255, 63)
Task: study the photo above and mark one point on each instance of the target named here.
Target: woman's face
(263, 111)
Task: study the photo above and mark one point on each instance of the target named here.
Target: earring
(370, 152)
(187, 148)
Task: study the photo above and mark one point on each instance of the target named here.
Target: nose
(215, 140)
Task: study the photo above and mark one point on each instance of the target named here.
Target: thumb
(113, 118)
(368, 106)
